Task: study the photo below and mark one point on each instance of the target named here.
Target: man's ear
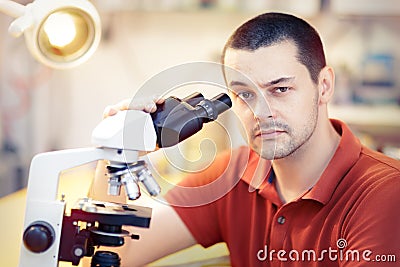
(326, 85)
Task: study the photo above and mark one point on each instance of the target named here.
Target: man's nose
(262, 110)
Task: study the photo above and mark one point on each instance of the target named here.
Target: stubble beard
(291, 141)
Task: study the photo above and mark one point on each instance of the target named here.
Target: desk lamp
(59, 33)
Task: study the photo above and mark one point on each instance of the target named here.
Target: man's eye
(245, 95)
(281, 89)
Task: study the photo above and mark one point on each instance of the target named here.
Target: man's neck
(299, 172)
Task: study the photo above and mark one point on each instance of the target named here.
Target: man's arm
(166, 235)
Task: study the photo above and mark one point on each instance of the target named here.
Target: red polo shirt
(349, 218)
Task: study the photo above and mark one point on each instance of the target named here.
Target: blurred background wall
(43, 109)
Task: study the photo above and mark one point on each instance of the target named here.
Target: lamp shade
(59, 33)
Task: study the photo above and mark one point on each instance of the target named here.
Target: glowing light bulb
(66, 35)
(58, 33)
(60, 29)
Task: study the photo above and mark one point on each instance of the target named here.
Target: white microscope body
(44, 209)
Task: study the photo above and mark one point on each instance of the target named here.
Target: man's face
(277, 102)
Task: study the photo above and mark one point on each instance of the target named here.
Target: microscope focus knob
(38, 237)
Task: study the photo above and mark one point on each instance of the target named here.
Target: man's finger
(109, 111)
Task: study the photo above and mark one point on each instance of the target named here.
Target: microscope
(50, 235)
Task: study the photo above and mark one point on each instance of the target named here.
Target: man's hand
(146, 104)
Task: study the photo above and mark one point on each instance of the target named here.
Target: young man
(304, 192)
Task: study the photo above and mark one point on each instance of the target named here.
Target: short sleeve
(373, 227)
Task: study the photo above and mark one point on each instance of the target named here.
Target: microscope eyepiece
(175, 119)
(222, 102)
(210, 109)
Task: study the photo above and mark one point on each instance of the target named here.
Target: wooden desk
(75, 184)
(12, 209)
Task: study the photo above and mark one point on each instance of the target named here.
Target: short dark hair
(272, 28)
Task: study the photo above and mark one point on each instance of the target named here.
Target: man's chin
(268, 154)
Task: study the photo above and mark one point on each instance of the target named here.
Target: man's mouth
(268, 133)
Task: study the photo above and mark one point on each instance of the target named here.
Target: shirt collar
(257, 171)
(346, 155)
(261, 178)
(259, 174)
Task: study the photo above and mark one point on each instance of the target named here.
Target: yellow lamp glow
(60, 29)
(65, 35)
(59, 33)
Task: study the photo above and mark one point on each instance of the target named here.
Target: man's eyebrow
(237, 83)
(273, 82)
(277, 81)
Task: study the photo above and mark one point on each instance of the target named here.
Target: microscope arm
(46, 166)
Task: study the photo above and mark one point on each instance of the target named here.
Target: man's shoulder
(373, 174)
(228, 165)
(375, 160)
(241, 155)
